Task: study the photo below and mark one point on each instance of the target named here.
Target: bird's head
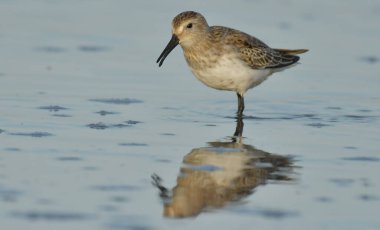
(187, 29)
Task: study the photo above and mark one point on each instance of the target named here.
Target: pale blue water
(87, 117)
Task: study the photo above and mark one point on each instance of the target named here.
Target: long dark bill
(169, 47)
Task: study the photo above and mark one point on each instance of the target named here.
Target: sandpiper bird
(224, 58)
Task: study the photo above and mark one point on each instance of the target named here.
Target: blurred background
(87, 117)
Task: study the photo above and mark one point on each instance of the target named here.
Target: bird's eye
(190, 25)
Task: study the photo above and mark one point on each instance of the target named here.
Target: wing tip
(292, 59)
(292, 52)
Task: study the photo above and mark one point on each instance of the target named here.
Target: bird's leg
(240, 105)
(239, 128)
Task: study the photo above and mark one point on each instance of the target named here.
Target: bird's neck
(201, 54)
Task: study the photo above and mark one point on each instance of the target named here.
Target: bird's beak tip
(169, 47)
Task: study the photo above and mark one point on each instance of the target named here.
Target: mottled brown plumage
(225, 58)
(253, 51)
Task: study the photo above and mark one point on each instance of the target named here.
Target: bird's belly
(231, 75)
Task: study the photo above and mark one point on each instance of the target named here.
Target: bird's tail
(291, 52)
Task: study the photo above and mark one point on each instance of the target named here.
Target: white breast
(231, 73)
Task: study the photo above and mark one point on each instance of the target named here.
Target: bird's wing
(292, 52)
(253, 51)
(263, 57)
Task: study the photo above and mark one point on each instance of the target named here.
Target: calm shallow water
(93, 135)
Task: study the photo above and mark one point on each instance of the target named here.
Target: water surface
(93, 135)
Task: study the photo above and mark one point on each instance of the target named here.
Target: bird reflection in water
(219, 174)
